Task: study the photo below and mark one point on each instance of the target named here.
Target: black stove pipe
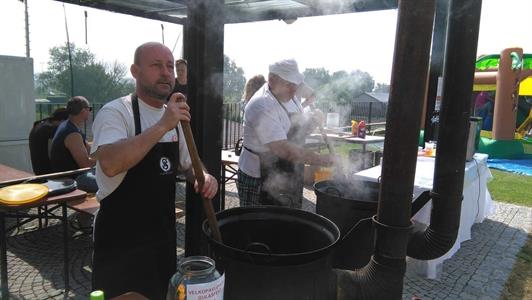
(436, 66)
(382, 278)
(459, 68)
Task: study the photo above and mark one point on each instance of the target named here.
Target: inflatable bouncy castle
(503, 98)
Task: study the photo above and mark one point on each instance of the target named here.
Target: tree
(98, 81)
(382, 88)
(234, 80)
(317, 78)
(338, 75)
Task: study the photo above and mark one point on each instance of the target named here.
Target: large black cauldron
(350, 205)
(275, 253)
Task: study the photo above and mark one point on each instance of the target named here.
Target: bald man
(139, 147)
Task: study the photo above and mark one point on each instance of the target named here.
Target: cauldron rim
(320, 186)
(274, 259)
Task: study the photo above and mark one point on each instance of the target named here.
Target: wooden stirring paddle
(197, 165)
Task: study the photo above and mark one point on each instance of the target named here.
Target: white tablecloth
(476, 206)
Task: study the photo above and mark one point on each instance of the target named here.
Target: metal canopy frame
(237, 11)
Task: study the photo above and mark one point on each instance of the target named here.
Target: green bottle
(96, 295)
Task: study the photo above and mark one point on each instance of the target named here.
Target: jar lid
(97, 295)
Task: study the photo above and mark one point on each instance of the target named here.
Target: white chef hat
(287, 69)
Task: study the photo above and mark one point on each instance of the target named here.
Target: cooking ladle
(326, 140)
(323, 134)
(197, 165)
(340, 175)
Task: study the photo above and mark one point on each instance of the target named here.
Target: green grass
(511, 188)
(519, 284)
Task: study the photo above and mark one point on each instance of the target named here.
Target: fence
(371, 112)
(233, 118)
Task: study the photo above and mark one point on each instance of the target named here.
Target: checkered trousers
(248, 189)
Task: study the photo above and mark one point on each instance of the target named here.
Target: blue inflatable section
(519, 166)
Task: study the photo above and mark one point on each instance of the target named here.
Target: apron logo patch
(165, 164)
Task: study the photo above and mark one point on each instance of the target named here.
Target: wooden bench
(88, 205)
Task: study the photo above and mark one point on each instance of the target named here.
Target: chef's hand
(210, 187)
(309, 101)
(176, 110)
(317, 117)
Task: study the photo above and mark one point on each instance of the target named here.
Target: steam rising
(339, 94)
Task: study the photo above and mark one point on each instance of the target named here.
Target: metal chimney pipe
(382, 278)
(459, 68)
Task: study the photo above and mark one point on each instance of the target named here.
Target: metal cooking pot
(350, 205)
(271, 252)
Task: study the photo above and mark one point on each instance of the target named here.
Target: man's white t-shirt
(115, 122)
(265, 121)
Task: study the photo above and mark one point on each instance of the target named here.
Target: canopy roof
(238, 11)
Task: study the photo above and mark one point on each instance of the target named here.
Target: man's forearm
(122, 155)
(298, 154)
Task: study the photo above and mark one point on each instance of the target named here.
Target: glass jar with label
(196, 278)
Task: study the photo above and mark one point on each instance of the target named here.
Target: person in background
(139, 147)
(70, 149)
(481, 101)
(272, 160)
(182, 77)
(40, 140)
(484, 105)
(252, 85)
(181, 86)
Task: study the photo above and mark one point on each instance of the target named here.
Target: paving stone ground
(477, 271)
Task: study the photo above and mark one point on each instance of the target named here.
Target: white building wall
(17, 110)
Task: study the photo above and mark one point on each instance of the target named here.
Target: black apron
(134, 234)
(282, 180)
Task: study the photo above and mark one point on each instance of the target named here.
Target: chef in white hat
(272, 160)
